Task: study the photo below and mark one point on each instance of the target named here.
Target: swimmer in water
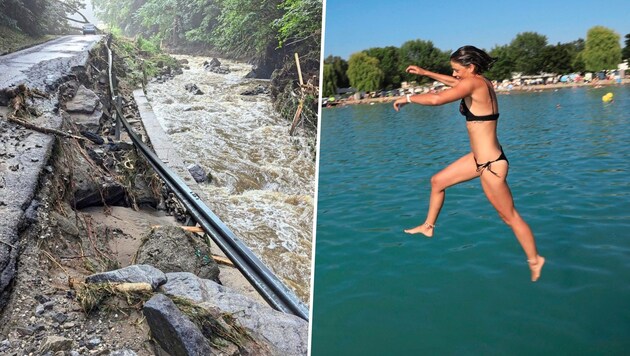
(486, 161)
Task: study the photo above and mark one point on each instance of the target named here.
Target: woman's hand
(400, 102)
(415, 70)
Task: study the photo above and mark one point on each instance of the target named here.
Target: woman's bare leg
(462, 170)
(500, 197)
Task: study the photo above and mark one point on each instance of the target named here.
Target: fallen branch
(73, 9)
(8, 244)
(52, 259)
(44, 130)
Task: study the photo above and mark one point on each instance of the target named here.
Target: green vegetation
(262, 30)
(38, 18)
(418, 51)
(265, 32)
(625, 52)
(334, 75)
(141, 57)
(12, 40)
(602, 50)
(364, 72)
(528, 53)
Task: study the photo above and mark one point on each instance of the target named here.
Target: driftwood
(133, 287)
(20, 108)
(8, 244)
(223, 260)
(45, 130)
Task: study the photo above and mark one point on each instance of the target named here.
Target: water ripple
(263, 181)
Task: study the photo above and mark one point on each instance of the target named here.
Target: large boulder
(198, 173)
(85, 110)
(84, 101)
(90, 186)
(192, 88)
(215, 66)
(284, 332)
(173, 331)
(171, 249)
(88, 193)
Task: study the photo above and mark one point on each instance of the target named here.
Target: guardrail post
(118, 103)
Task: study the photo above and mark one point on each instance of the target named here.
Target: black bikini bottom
(487, 165)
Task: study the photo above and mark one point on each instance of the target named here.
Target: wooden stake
(296, 118)
(297, 62)
(298, 113)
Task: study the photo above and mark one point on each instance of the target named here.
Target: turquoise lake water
(379, 291)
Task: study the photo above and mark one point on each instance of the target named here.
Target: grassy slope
(12, 40)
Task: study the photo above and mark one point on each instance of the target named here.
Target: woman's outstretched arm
(442, 78)
(463, 89)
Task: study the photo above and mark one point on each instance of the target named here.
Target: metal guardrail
(278, 295)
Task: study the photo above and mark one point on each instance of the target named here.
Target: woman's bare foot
(425, 229)
(536, 266)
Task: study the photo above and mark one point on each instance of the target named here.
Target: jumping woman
(486, 160)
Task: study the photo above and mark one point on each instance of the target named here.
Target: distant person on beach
(486, 160)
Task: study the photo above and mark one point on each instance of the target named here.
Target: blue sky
(352, 26)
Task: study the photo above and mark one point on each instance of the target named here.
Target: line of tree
(39, 17)
(528, 53)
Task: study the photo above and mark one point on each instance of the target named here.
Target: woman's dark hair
(468, 55)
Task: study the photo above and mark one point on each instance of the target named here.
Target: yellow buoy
(608, 97)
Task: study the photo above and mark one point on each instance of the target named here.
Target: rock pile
(215, 66)
(189, 315)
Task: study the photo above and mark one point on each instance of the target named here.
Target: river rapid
(263, 180)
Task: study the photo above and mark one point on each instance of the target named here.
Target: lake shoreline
(516, 90)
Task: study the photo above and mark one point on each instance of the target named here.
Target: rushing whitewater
(262, 179)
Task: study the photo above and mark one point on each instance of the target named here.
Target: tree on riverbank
(526, 52)
(424, 53)
(364, 72)
(602, 50)
(36, 18)
(625, 52)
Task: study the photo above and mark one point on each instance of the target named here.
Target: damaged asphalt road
(24, 153)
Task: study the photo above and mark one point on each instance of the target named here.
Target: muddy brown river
(263, 180)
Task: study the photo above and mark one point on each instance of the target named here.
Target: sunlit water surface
(378, 291)
(262, 180)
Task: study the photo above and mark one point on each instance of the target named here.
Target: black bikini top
(463, 109)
